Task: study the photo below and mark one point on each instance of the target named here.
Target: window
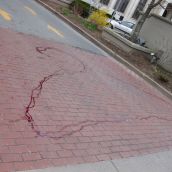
(127, 24)
(105, 2)
(140, 7)
(121, 5)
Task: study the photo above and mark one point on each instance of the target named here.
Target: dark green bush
(81, 8)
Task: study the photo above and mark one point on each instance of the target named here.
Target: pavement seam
(110, 52)
(113, 164)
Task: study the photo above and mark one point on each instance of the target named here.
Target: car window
(127, 24)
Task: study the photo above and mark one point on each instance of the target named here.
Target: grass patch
(161, 74)
(65, 11)
(89, 25)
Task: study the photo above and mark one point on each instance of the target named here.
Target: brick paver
(61, 105)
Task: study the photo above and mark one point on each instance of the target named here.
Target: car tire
(111, 26)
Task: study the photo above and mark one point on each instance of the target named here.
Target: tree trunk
(140, 22)
(75, 8)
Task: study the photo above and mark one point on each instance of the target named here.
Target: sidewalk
(159, 162)
(140, 66)
(64, 106)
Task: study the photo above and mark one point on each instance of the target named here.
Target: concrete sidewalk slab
(158, 162)
(94, 167)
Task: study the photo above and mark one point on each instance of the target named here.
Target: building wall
(157, 33)
(131, 9)
(132, 5)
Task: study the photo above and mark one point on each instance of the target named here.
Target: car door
(126, 26)
(114, 23)
(123, 27)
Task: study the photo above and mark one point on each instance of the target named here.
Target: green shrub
(160, 74)
(81, 8)
(89, 25)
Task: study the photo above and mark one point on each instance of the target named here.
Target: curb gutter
(109, 51)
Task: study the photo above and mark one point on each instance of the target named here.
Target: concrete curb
(115, 38)
(109, 51)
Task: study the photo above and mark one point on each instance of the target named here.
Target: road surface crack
(35, 93)
(156, 117)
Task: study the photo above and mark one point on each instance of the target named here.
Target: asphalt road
(29, 17)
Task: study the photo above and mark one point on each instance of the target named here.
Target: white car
(124, 26)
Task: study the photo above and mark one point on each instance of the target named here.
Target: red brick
(68, 146)
(31, 156)
(42, 141)
(129, 154)
(102, 138)
(67, 161)
(106, 144)
(105, 150)
(124, 148)
(11, 157)
(88, 134)
(94, 145)
(18, 149)
(20, 166)
(84, 139)
(53, 147)
(65, 153)
(59, 161)
(57, 141)
(80, 152)
(6, 167)
(71, 120)
(116, 143)
(103, 157)
(11, 135)
(49, 155)
(82, 145)
(43, 163)
(76, 160)
(25, 141)
(71, 140)
(116, 155)
(28, 134)
(4, 149)
(90, 159)
(38, 148)
(93, 151)
(6, 142)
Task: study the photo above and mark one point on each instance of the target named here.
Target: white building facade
(129, 8)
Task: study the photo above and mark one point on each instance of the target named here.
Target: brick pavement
(61, 105)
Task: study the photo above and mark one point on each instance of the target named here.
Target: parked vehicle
(124, 26)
